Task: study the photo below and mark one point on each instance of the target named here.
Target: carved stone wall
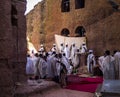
(97, 17)
(12, 45)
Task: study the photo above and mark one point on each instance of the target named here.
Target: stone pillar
(19, 39)
(12, 37)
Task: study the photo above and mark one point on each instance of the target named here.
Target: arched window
(14, 16)
(79, 4)
(80, 31)
(65, 6)
(65, 32)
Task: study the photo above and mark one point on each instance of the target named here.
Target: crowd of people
(56, 64)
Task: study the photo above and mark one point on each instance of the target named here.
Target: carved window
(79, 4)
(14, 18)
(65, 6)
(65, 32)
(80, 31)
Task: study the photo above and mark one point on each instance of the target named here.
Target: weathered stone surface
(47, 89)
(12, 44)
(97, 17)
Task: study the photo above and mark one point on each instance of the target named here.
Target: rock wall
(13, 45)
(97, 17)
(35, 26)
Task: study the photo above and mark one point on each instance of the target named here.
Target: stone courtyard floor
(46, 89)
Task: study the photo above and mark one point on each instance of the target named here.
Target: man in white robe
(42, 50)
(35, 59)
(51, 66)
(100, 62)
(54, 48)
(61, 48)
(67, 51)
(117, 64)
(29, 66)
(65, 61)
(83, 48)
(91, 61)
(108, 66)
(42, 67)
(76, 59)
(72, 53)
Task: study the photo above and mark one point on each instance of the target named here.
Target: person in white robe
(108, 66)
(54, 65)
(72, 52)
(90, 61)
(117, 64)
(100, 62)
(42, 50)
(61, 48)
(35, 59)
(54, 48)
(50, 66)
(76, 59)
(42, 67)
(65, 61)
(67, 51)
(29, 66)
(83, 48)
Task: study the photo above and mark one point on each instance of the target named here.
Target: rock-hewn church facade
(97, 19)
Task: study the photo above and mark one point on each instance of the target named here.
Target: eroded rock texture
(12, 45)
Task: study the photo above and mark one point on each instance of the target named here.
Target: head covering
(61, 44)
(66, 44)
(90, 51)
(83, 43)
(54, 44)
(41, 45)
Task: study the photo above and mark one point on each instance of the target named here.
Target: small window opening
(14, 19)
(79, 4)
(65, 6)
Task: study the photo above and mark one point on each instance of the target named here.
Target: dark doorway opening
(65, 32)
(80, 31)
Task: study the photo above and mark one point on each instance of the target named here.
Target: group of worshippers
(110, 65)
(56, 64)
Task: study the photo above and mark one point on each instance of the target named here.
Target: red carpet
(83, 84)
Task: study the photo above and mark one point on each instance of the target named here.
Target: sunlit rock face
(98, 17)
(12, 45)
